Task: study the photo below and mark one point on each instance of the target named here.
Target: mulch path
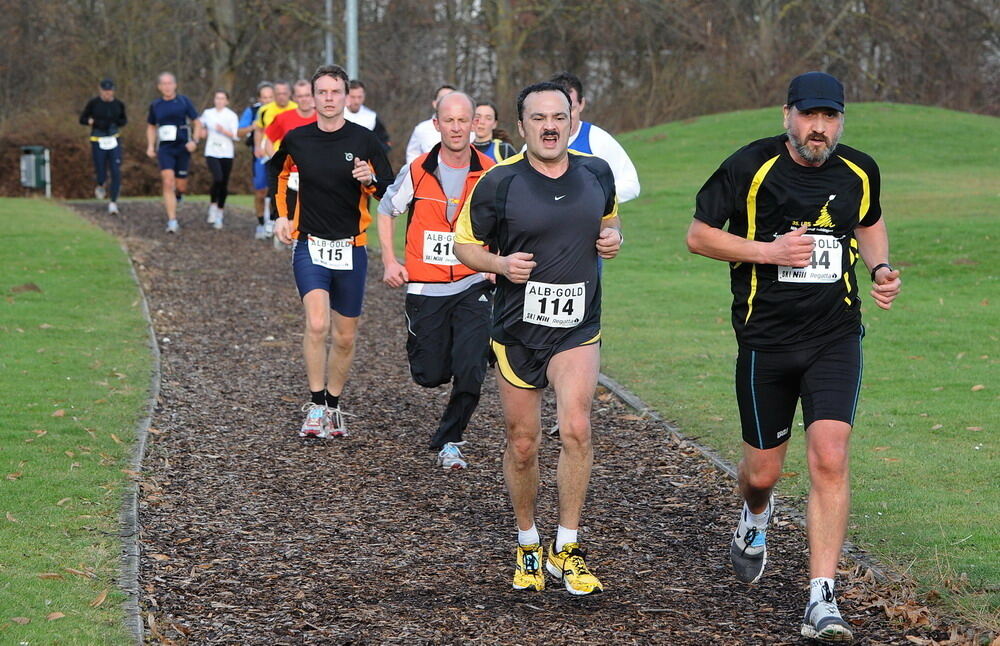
(251, 535)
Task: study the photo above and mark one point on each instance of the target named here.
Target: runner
(167, 123)
(590, 139)
(303, 115)
(357, 112)
(219, 126)
(799, 217)
(490, 140)
(282, 103)
(106, 117)
(424, 135)
(258, 172)
(447, 304)
(339, 164)
(549, 214)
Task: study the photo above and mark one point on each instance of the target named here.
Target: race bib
(215, 147)
(332, 254)
(826, 265)
(107, 143)
(554, 305)
(293, 181)
(439, 248)
(167, 133)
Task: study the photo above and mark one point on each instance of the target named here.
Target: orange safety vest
(428, 215)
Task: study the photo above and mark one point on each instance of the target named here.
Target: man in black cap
(801, 209)
(106, 116)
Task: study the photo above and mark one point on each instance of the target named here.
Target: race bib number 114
(825, 266)
(554, 305)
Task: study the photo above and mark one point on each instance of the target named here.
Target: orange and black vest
(429, 213)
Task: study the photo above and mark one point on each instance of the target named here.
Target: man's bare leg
(343, 332)
(829, 494)
(317, 309)
(522, 410)
(169, 197)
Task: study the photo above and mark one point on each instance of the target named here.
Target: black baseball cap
(816, 90)
(107, 84)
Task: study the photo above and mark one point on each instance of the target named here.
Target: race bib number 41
(332, 254)
(439, 248)
(554, 305)
(826, 265)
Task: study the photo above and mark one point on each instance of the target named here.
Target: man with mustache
(547, 214)
(801, 208)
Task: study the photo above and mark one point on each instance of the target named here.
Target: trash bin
(35, 171)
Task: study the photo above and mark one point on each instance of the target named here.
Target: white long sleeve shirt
(601, 144)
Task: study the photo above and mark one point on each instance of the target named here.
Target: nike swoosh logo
(559, 197)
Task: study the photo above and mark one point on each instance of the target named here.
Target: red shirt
(285, 123)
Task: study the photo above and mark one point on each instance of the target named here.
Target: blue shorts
(174, 156)
(345, 287)
(259, 174)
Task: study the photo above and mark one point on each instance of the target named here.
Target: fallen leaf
(45, 326)
(63, 501)
(26, 287)
(937, 427)
(39, 432)
(789, 474)
(14, 476)
(49, 575)
(632, 418)
(115, 438)
(52, 616)
(978, 387)
(973, 428)
(86, 575)
(21, 620)
(59, 413)
(11, 518)
(99, 599)
(881, 448)
(890, 459)
(159, 557)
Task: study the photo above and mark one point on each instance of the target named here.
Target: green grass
(925, 461)
(76, 372)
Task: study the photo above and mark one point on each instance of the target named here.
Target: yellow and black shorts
(526, 367)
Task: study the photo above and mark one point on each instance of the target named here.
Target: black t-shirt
(331, 203)
(515, 208)
(762, 193)
(109, 116)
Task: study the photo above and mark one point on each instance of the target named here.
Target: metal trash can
(35, 169)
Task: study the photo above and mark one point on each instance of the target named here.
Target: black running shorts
(826, 377)
(526, 367)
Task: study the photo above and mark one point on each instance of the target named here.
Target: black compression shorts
(827, 377)
(526, 367)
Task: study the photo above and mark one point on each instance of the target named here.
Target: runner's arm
(793, 249)
(396, 200)
(873, 245)
(626, 177)
(150, 139)
(87, 115)
(609, 242)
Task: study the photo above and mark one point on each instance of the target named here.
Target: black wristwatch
(880, 266)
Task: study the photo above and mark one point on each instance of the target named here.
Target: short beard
(818, 157)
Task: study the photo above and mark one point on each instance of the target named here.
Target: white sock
(527, 536)
(267, 209)
(818, 589)
(564, 536)
(756, 520)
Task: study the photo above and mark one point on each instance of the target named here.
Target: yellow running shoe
(528, 568)
(570, 567)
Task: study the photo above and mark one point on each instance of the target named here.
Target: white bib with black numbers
(439, 248)
(167, 133)
(554, 305)
(332, 254)
(107, 143)
(215, 147)
(293, 181)
(826, 265)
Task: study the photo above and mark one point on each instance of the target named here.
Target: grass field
(76, 372)
(925, 455)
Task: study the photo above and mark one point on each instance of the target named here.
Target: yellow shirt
(268, 112)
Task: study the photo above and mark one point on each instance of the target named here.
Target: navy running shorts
(174, 156)
(526, 367)
(345, 287)
(827, 378)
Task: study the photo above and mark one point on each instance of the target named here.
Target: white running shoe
(334, 422)
(268, 227)
(451, 456)
(212, 215)
(99, 192)
(315, 422)
(217, 224)
(259, 233)
(823, 622)
(112, 208)
(748, 549)
(173, 226)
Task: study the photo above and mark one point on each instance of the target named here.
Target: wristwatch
(880, 266)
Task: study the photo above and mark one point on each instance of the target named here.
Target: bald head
(455, 100)
(454, 121)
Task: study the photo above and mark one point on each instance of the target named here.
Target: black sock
(318, 397)
(260, 220)
(332, 401)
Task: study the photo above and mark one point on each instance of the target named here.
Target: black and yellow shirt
(763, 193)
(514, 208)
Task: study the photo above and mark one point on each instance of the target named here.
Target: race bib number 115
(332, 254)
(554, 305)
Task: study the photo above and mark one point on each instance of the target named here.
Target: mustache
(815, 136)
(546, 133)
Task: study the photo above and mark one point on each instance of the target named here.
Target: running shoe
(334, 422)
(268, 228)
(528, 568)
(570, 567)
(99, 192)
(112, 208)
(173, 227)
(451, 456)
(748, 550)
(212, 215)
(217, 223)
(259, 233)
(315, 422)
(823, 622)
